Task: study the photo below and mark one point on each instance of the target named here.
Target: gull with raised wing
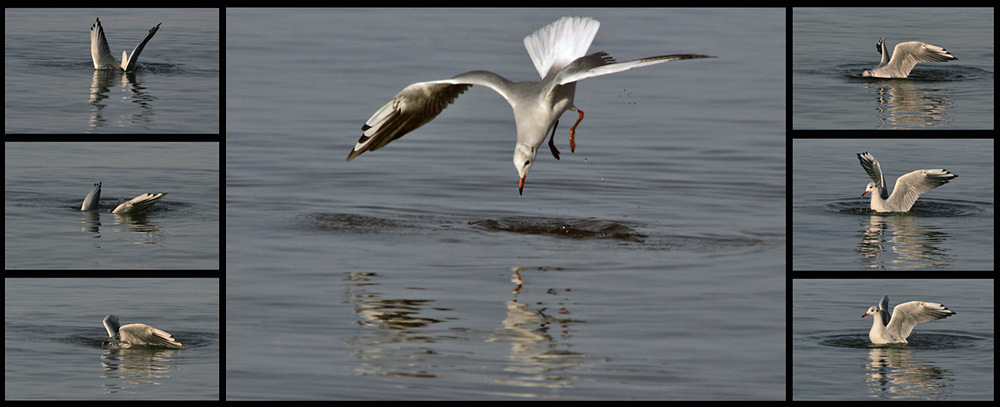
(905, 316)
(140, 334)
(101, 53)
(904, 57)
(558, 53)
(134, 205)
(908, 187)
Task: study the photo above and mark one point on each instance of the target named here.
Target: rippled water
(950, 227)
(833, 46)
(418, 271)
(947, 359)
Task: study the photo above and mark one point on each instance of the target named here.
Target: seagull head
(871, 310)
(524, 156)
(871, 187)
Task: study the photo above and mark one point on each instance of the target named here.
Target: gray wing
(883, 309)
(874, 170)
(600, 63)
(129, 64)
(418, 104)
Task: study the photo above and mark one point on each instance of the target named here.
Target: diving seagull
(558, 53)
(140, 334)
(907, 189)
(101, 53)
(137, 204)
(905, 316)
(904, 57)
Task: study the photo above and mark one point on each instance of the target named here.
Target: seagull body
(558, 53)
(139, 203)
(908, 187)
(140, 334)
(905, 316)
(101, 53)
(134, 205)
(904, 57)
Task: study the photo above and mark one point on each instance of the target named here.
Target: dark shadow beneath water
(640, 236)
(917, 341)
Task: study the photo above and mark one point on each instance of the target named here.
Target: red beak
(520, 186)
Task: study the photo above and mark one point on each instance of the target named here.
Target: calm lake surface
(832, 46)
(53, 339)
(948, 228)
(45, 184)
(50, 85)
(646, 265)
(948, 359)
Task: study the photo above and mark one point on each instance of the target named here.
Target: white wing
(139, 203)
(558, 44)
(142, 334)
(99, 49)
(129, 64)
(909, 187)
(907, 315)
(908, 54)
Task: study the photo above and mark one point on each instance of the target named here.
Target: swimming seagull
(137, 204)
(905, 316)
(140, 334)
(904, 57)
(907, 189)
(101, 53)
(557, 51)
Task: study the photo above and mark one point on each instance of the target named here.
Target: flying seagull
(558, 53)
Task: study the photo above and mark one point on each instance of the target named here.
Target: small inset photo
(892, 204)
(862, 68)
(892, 339)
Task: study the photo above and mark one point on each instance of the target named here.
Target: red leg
(572, 132)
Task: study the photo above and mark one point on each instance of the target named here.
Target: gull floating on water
(101, 53)
(140, 334)
(905, 316)
(908, 187)
(557, 51)
(137, 204)
(904, 57)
